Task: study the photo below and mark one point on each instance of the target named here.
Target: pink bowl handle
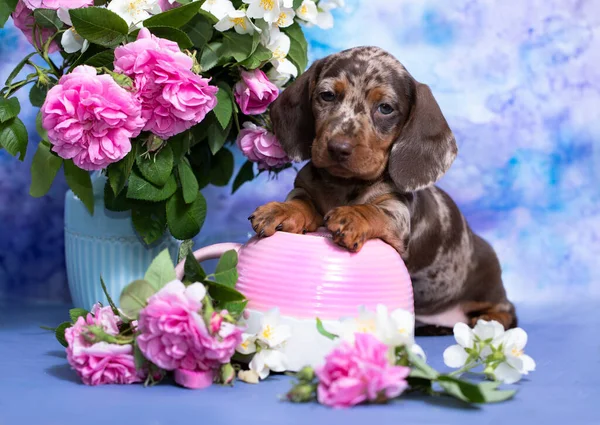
(210, 252)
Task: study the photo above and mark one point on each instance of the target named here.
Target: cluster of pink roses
(254, 93)
(91, 119)
(171, 333)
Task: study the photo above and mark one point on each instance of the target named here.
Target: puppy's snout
(339, 149)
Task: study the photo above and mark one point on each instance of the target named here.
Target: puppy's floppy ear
(426, 147)
(292, 115)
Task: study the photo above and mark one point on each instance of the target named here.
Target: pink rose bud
(359, 372)
(262, 147)
(215, 323)
(90, 119)
(302, 393)
(254, 92)
(227, 373)
(194, 379)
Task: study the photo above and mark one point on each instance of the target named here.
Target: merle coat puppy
(377, 142)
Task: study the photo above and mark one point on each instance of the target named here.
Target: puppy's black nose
(339, 149)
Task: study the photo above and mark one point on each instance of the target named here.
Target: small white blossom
(134, 12)
(264, 9)
(248, 344)
(237, 20)
(272, 334)
(266, 361)
(308, 11)
(279, 44)
(71, 41)
(516, 362)
(285, 19)
(278, 78)
(218, 8)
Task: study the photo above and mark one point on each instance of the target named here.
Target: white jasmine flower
(134, 12)
(218, 8)
(272, 334)
(71, 41)
(248, 344)
(286, 18)
(263, 9)
(266, 361)
(516, 363)
(278, 78)
(237, 20)
(456, 355)
(279, 44)
(308, 11)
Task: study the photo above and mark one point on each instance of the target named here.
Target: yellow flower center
(281, 19)
(239, 21)
(403, 331)
(304, 9)
(245, 344)
(267, 332)
(366, 326)
(267, 4)
(279, 55)
(517, 353)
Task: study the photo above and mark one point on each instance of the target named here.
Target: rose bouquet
(153, 93)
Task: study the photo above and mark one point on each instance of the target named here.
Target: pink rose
(100, 363)
(91, 119)
(359, 372)
(220, 345)
(57, 4)
(260, 146)
(173, 98)
(24, 20)
(167, 5)
(254, 92)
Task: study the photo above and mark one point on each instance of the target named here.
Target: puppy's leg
(296, 215)
(386, 218)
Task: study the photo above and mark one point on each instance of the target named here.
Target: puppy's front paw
(283, 216)
(349, 228)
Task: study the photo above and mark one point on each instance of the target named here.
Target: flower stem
(465, 368)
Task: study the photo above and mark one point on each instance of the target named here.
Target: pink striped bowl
(308, 276)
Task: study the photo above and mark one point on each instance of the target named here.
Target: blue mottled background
(519, 82)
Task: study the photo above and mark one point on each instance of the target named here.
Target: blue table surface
(37, 385)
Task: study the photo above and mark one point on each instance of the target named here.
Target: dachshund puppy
(377, 142)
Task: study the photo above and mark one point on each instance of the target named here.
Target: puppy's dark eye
(385, 109)
(327, 96)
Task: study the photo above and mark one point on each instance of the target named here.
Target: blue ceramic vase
(104, 244)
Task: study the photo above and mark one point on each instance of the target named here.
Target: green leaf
(156, 168)
(217, 136)
(37, 95)
(298, 53)
(9, 108)
(75, 313)
(119, 172)
(238, 46)
(210, 56)
(224, 108)
(44, 167)
(161, 271)
(149, 220)
(245, 174)
(111, 303)
(492, 394)
(199, 30)
(235, 308)
(189, 184)
(47, 18)
(6, 8)
(185, 220)
(221, 168)
(463, 390)
(223, 293)
(297, 4)
(138, 357)
(38, 126)
(175, 18)
(260, 56)
(180, 144)
(99, 25)
(185, 248)
(13, 137)
(226, 272)
(135, 297)
(173, 34)
(59, 333)
(193, 270)
(143, 190)
(114, 202)
(80, 183)
(104, 59)
(321, 329)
